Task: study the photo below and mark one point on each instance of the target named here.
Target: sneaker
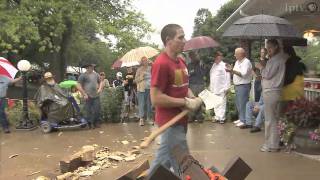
(240, 124)
(222, 121)
(237, 121)
(245, 126)
(141, 122)
(255, 129)
(264, 148)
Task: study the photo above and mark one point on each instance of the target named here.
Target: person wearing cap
(4, 83)
(88, 85)
(48, 77)
(118, 81)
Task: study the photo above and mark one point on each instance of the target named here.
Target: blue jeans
(3, 117)
(92, 107)
(175, 135)
(144, 102)
(249, 113)
(74, 103)
(242, 97)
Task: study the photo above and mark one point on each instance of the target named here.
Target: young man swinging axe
(171, 97)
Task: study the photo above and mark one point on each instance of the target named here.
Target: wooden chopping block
(70, 163)
(162, 173)
(80, 158)
(236, 169)
(135, 172)
(87, 153)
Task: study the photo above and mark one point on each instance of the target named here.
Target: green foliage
(300, 113)
(232, 113)
(15, 112)
(64, 32)
(111, 104)
(206, 24)
(310, 56)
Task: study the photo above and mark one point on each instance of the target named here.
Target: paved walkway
(211, 144)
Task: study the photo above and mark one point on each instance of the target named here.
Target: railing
(311, 88)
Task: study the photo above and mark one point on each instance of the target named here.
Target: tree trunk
(60, 66)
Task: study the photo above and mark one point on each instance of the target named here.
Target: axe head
(210, 100)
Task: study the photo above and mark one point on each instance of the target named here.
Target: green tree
(64, 32)
(206, 24)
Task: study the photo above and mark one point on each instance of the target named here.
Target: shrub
(15, 113)
(111, 104)
(301, 113)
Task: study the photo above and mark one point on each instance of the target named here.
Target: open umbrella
(117, 64)
(68, 84)
(262, 27)
(133, 57)
(199, 43)
(7, 69)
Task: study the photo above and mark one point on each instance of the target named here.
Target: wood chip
(134, 141)
(116, 158)
(101, 132)
(209, 135)
(125, 142)
(14, 155)
(94, 168)
(86, 173)
(42, 178)
(130, 158)
(136, 147)
(37, 172)
(135, 152)
(60, 133)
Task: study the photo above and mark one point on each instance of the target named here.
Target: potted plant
(299, 127)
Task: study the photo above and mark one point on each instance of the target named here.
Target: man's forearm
(236, 73)
(79, 87)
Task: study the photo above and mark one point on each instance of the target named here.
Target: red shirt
(171, 78)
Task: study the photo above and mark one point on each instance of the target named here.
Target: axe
(208, 98)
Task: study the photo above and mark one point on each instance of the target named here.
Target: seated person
(53, 102)
(254, 108)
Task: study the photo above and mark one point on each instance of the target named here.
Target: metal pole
(25, 123)
(25, 99)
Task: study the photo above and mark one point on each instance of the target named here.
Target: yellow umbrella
(133, 57)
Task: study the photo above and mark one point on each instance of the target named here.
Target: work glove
(193, 104)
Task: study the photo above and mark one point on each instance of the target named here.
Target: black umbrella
(262, 27)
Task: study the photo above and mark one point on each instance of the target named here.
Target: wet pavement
(211, 144)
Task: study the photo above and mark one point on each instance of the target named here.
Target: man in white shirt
(242, 80)
(219, 85)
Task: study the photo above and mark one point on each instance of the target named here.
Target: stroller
(57, 112)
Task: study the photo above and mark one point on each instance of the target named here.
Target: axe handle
(160, 130)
